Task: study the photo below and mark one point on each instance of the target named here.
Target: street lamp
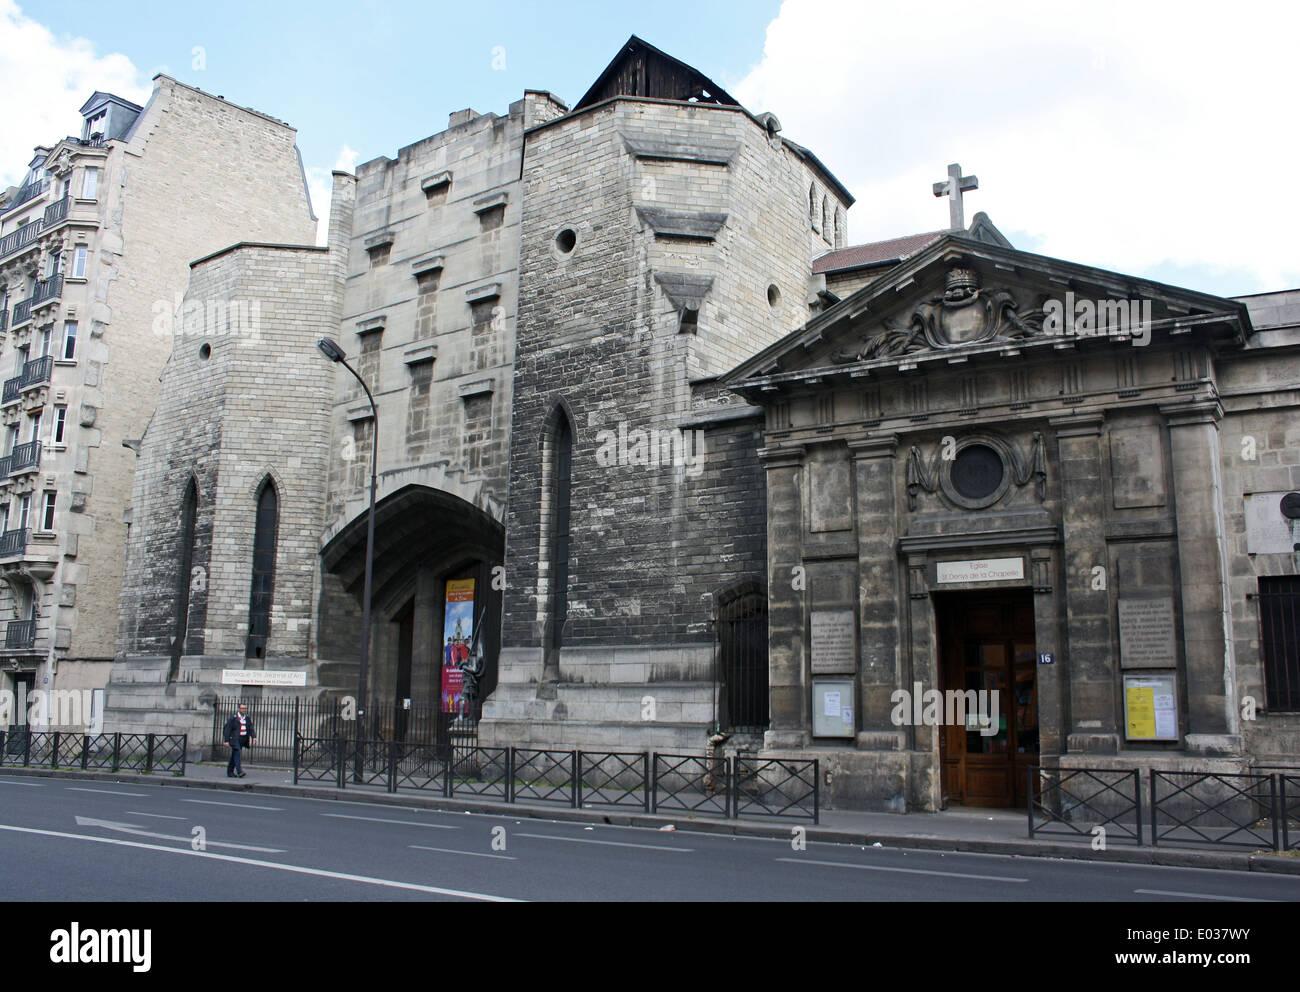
(334, 353)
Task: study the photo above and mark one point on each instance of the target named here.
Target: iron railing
(36, 372)
(18, 240)
(26, 193)
(1288, 794)
(20, 634)
(1220, 808)
(708, 784)
(47, 289)
(22, 312)
(56, 211)
(280, 722)
(146, 753)
(1076, 801)
(1279, 630)
(25, 457)
(13, 543)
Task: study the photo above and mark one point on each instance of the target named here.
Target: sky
(1148, 137)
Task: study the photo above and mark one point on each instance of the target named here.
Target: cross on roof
(953, 187)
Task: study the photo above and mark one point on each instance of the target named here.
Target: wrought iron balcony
(25, 457)
(5, 461)
(37, 372)
(20, 239)
(47, 289)
(13, 543)
(4, 320)
(56, 211)
(28, 193)
(22, 312)
(11, 391)
(20, 634)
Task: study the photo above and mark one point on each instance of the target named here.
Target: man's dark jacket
(231, 733)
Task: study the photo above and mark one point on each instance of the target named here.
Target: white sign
(1267, 531)
(981, 570)
(242, 676)
(832, 701)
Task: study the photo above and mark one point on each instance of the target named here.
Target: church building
(683, 464)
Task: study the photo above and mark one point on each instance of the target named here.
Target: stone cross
(953, 187)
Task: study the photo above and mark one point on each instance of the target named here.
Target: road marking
(213, 802)
(380, 819)
(1199, 895)
(904, 871)
(472, 854)
(131, 828)
(107, 792)
(34, 785)
(156, 816)
(276, 865)
(609, 843)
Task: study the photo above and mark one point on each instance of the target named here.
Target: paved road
(79, 841)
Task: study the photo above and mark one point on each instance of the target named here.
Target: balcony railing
(37, 372)
(13, 543)
(20, 634)
(47, 289)
(56, 211)
(25, 457)
(19, 239)
(4, 319)
(5, 461)
(28, 193)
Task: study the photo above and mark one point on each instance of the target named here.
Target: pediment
(961, 296)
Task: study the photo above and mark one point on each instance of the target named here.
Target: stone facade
(126, 206)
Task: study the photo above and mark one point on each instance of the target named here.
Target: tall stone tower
(667, 234)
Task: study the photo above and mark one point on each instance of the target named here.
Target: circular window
(977, 472)
(773, 296)
(566, 240)
(205, 351)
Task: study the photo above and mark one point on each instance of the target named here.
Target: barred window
(1279, 641)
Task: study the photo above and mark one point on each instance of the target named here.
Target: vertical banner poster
(457, 632)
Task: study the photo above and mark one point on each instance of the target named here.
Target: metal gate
(742, 663)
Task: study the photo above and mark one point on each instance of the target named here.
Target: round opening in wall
(977, 471)
(205, 351)
(773, 296)
(566, 240)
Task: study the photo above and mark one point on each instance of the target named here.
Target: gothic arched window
(263, 584)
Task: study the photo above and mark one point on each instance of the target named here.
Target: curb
(1173, 857)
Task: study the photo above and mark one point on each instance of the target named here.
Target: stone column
(1087, 645)
(426, 660)
(878, 591)
(1052, 680)
(1203, 568)
(786, 616)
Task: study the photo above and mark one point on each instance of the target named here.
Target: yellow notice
(1140, 705)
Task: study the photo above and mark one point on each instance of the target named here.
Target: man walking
(239, 734)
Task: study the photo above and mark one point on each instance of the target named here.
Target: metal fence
(1288, 795)
(702, 784)
(109, 752)
(279, 722)
(1076, 801)
(1234, 810)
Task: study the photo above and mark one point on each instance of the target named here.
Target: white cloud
(1125, 135)
(45, 79)
(320, 183)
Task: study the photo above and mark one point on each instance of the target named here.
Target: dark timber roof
(640, 69)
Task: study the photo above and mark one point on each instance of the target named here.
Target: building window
(90, 184)
(379, 254)
(95, 125)
(492, 218)
(368, 360)
(34, 427)
(4, 516)
(79, 262)
(47, 511)
(812, 203)
(24, 511)
(69, 340)
(46, 336)
(189, 514)
(60, 424)
(1279, 641)
(561, 491)
(55, 266)
(826, 218)
(259, 601)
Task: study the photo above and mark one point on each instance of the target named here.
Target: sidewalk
(988, 831)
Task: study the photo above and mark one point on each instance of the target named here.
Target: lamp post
(334, 353)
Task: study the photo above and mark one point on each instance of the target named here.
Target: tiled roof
(858, 256)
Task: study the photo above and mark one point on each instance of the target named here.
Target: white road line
(380, 819)
(278, 866)
(131, 828)
(472, 854)
(156, 816)
(213, 802)
(609, 843)
(904, 871)
(33, 785)
(1199, 895)
(107, 792)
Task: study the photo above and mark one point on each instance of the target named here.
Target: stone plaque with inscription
(833, 641)
(1146, 633)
